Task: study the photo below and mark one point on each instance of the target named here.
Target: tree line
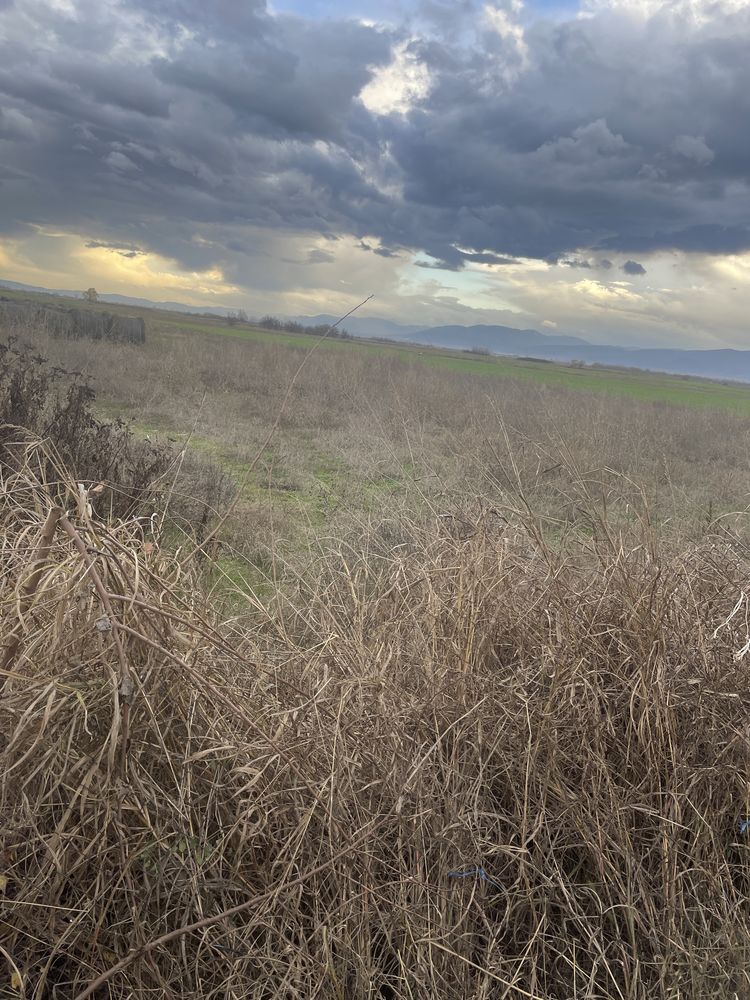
(287, 326)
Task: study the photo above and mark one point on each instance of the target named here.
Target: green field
(634, 383)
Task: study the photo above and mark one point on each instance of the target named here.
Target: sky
(574, 167)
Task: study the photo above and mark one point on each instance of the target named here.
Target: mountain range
(724, 364)
(495, 339)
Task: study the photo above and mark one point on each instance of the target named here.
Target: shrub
(291, 326)
(57, 405)
(92, 324)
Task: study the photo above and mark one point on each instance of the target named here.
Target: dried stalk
(38, 563)
(125, 690)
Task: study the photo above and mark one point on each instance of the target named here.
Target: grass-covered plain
(399, 681)
(636, 384)
(372, 431)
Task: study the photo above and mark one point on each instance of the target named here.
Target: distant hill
(725, 364)
(123, 300)
(496, 339)
(128, 300)
(363, 326)
(17, 286)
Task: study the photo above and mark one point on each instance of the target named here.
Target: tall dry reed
(493, 761)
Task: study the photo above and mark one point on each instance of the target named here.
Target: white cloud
(694, 12)
(503, 20)
(119, 161)
(693, 147)
(398, 86)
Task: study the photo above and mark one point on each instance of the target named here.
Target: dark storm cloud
(487, 257)
(582, 263)
(298, 79)
(320, 257)
(633, 267)
(379, 251)
(123, 251)
(575, 262)
(440, 265)
(172, 125)
(105, 83)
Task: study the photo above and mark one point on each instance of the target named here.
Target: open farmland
(370, 432)
(401, 674)
(369, 429)
(166, 327)
(379, 667)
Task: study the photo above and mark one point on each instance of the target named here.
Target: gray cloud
(487, 257)
(170, 125)
(126, 250)
(633, 267)
(320, 257)
(440, 265)
(693, 147)
(379, 251)
(584, 263)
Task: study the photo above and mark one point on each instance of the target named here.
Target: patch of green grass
(649, 386)
(235, 580)
(252, 333)
(327, 469)
(306, 497)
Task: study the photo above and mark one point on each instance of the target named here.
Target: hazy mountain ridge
(123, 300)
(723, 363)
(363, 326)
(497, 339)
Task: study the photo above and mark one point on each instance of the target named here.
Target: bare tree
(238, 316)
(91, 295)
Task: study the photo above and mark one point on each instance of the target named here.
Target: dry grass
(469, 764)
(362, 426)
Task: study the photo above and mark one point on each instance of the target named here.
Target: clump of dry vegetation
(45, 400)
(42, 399)
(472, 765)
(64, 321)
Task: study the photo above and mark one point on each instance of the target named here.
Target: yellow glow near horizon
(150, 272)
(682, 299)
(64, 260)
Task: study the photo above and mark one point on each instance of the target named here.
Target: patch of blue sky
(395, 11)
(372, 10)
